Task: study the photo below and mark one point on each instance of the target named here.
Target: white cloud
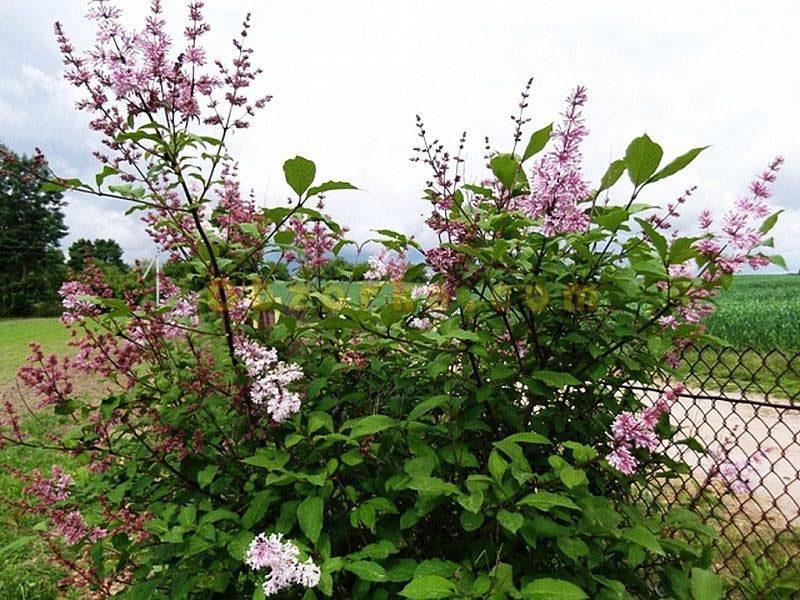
(348, 78)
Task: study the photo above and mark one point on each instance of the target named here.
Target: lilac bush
(468, 438)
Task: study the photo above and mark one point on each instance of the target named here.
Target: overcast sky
(349, 76)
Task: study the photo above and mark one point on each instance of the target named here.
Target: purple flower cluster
(76, 300)
(387, 265)
(270, 378)
(50, 490)
(733, 246)
(314, 238)
(738, 472)
(637, 430)
(282, 560)
(557, 184)
(67, 523)
(72, 526)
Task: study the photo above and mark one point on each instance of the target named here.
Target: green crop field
(760, 312)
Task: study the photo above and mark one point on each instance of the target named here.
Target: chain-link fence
(743, 409)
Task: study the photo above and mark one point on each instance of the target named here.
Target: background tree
(106, 251)
(31, 226)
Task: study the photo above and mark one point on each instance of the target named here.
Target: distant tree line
(32, 265)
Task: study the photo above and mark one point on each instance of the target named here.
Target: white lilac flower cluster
(270, 378)
(282, 560)
(429, 291)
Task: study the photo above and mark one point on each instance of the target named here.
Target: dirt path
(768, 433)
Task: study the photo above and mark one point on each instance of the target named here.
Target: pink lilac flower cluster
(145, 77)
(729, 250)
(11, 420)
(387, 265)
(48, 376)
(314, 238)
(72, 526)
(76, 298)
(270, 378)
(50, 490)
(234, 210)
(283, 561)
(447, 262)
(131, 78)
(107, 354)
(736, 470)
(168, 225)
(557, 184)
(434, 295)
(732, 247)
(663, 221)
(637, 430)
(428, 290)
(183, 314)
(127, 521)
(68, 523)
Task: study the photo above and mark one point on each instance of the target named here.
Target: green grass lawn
(24, 572)
(15, 334)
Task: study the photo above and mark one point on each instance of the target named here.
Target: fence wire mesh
(743, 407)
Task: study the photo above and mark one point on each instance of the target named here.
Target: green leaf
(509, 520)
(537, 142)
(547, 500)
(547, 588)
(705, 585)
(206, 476)
(572, 547)
(473, 502)
(555, 379)
(309, 516)
(16, 544)
(428, 587)
(367, 570)
(612, 174)
(659, 241)
(259, 504)
(582, 453)
(643, 537)
(642, 159)
(677, 164)
(330, 186)
(371, 424)
(572, 477)
(769, 222)
(237, 547)
(778, 260)
(426, 406)
(107, 171)
(433, 486)
(471, 521)
(508, 171)
(681, 250)
(497, 466)
(299, 173)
